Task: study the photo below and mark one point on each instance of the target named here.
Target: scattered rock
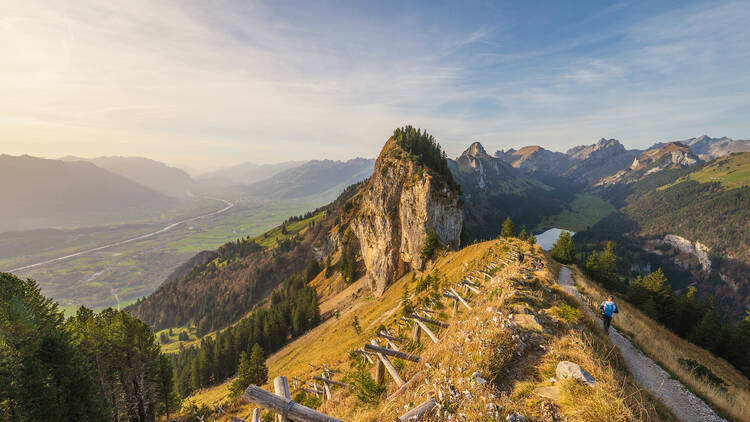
(528, 322)
(516, 417)
(551, 393)
(566, 369)
(520, 309)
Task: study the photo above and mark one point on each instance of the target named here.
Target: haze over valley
(374, 211)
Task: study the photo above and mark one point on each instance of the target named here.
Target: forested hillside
(92, 367)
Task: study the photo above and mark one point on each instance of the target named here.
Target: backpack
(609, 309)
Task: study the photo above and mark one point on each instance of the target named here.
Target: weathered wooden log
(431, 321)
(326, 387)
(372, 347)
(330, 381)
(418, 412)
(236, 419)
(293, 411)
(365, 354)
(281, 388)
(392, 345)
(470, 283)
(380, 373)
(415, 333)
(390, 368)
(427, 330)
(313, 391)
(470, 287)
(426, 310)
(390, 337)
(463, 301)
(403, 387)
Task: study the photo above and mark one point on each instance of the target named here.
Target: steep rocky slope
(398, 207)
(673, 155)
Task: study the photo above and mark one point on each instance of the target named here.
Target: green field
(584, 211)
(136, 269)
(732, 171)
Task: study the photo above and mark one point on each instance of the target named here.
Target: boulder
(566, 369)
(551, 393)
(527, 322)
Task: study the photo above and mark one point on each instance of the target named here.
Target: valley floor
(684, 404)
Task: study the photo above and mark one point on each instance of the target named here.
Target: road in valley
(126, 241)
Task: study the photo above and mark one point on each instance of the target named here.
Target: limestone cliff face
(401, 203)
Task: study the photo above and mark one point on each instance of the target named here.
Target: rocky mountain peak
(407, 198)
(475, 150)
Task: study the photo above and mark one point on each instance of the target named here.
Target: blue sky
(204, 84)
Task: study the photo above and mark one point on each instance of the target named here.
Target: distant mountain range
(247, 173)
(590, 164)
(38, 192)
(158, 176)
(313, 178)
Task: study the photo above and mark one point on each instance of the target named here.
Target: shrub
(569, 313)
(431, 242)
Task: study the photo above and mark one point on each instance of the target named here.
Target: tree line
(424, 149)
(293, 309)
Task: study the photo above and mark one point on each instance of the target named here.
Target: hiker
(608, 308)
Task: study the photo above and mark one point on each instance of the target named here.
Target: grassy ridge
(615, 398)
(732, 171)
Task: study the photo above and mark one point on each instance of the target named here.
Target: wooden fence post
(415, 333)
(380, 373)
(281, 387)
(389, 366)
(294, 411)
(326, 387)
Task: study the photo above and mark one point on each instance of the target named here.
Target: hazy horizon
(202, 86)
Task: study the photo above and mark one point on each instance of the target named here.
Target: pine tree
(523, 235)
(564, 250)
(531, 239)
(509, 228)
(250, 370)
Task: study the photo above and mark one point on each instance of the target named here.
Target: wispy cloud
(220, 82)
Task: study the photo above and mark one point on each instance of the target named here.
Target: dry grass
(667, 348)
(479, 344)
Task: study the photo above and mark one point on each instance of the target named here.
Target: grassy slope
(732, 171)
(666, 348)
(615, 397)
(585, 211)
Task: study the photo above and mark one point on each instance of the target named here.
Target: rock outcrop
(399, 206)
(566, 369)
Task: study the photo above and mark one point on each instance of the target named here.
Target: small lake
(548, 238)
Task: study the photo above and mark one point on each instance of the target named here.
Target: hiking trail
(685, 405)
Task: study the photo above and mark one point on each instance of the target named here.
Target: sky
(204, 84)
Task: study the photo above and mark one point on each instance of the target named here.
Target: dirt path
(684, 404)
